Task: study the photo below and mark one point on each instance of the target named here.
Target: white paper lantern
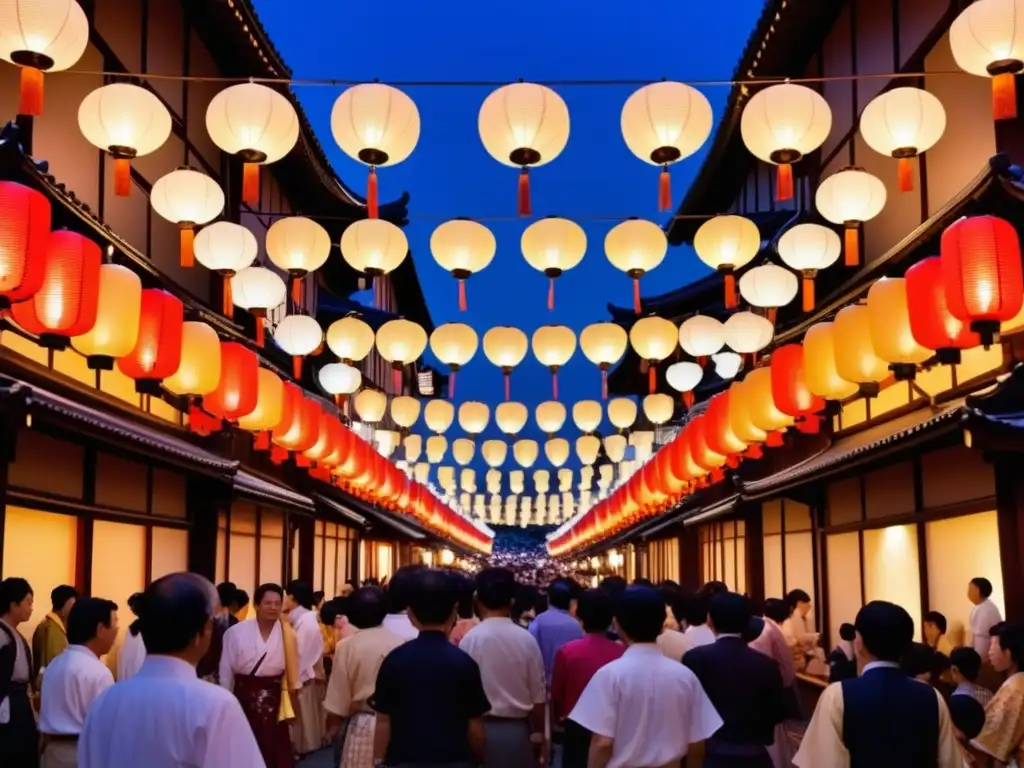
(903, 123)
(851, 197)
(701, 336)
(769, 286)
(987, 39)
(298, 336)
(748, 333)
(635, 247)
(350, 338)
(258, 290)
(463, 247)
(189, 199)
(809, 248)
(727, 243)
(226, 248)
(553, 246)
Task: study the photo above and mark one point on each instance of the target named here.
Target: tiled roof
(265, 489)
(339, 508)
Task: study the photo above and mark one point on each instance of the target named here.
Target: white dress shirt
(511, 666)
(244, 646)
(70, 685)
(674, 644)
(401, 625)
(131, 656)
(984, 616)
(651, 707)
(309, 640)
(699, 635)
(166, 717)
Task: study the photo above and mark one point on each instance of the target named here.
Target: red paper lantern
(24, 240)
(789, 388)
(157, 352)
(237, 393)
(65, 302)
(931, 323)
(718, 432)
(302, 432)
(703, 456)
(982, 274)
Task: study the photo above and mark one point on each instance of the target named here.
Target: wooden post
(689, 558)
(307, 530)
(206, 499)
(1009, 508)
(751, 514)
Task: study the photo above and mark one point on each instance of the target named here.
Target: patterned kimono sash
(260, 698)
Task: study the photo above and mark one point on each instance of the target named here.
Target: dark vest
(890, 721)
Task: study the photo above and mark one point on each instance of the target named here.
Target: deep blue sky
(450, 174)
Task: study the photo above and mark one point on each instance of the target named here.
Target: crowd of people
(436, 667)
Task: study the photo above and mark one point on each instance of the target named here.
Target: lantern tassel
(261, 441)
(731, 301)
(187, 254)
(508, 388)
(808, 293)
(774, 440)
(652, 379)
(260, 332)
(525, 207)
(784, 183)
(906, 174)
(251, 183)
(637, 308)
(604, 384)
(372, 205)
(551, 294)
(122, 176)
(339, 401)
(554, 385)
(664, 190)
(1004, 96)
(688, 398)
(451, 385)
(31, 101)
(463, 306)
(297, 287)
(297, 367)
(227, 298)
(852, 246)
(396, 380)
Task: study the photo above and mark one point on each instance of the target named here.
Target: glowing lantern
(199, 371)
(187, 198)
(374, 247)
(748, 333)
(297, 245)
(300, 431)
(157, 352)
(378, 126)
(467, 480)
(769, 286)
(587, 449)
(684, 377)
(727, 243)
(269, 410)
(524, 125)
(718, 428)
(622, 412)
(463, 450)
(987, 40)
(116, 326)
(605, 473)
(727, 364)
(413, 445)
(550, 416)
(463, 247)
(635, 247)
(903, 123)
(370, 405)
(525, 452)
(615, 447)
(350, 339)
(790, 391)
(516, 481)
(564, 480)
(505, 347)
(237, 391)
(642, 441)
(494, 452)
(740, 421)
(604, 344)
(664, 123)
(421, 472)
(340, 380)
(781, 124)
(653, 339)
(226, 249)
(298, 336)
(405, 411)
(820, 370)
(255, 123)
(436, 447)
(931, 322)
(454, 344)
(587, 415)
(658, 408)
(552, 246)
(700, 453)
(809, 248)
(889, 324)
(981, 273)
(258, 290)
(473, 417)
(542, 481)
(24, 240)
(438, 415)
(761, 405)
(851, 197)
(855, 355)
(511, 417)
(400, 342)
(553, 346)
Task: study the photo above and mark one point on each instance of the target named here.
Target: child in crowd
(842, 661)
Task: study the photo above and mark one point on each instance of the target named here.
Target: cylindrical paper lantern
(789, 386)
(199, 372)
(157, 351)
(856, 359)
(237, 391)
(116, 329)
(823, 378)
(24, 240)
(269, 410)
(889, 321)
(931, 322)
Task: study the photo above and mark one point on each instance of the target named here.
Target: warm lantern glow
(237, 391)
(727, 243)
(378, 126)
(557, 450)
(553, 246)
(401, 343)
(684, 377)
(199, 372)
(350, 339)
(903, 123)
(157, 351)
(473, 417)
(889, 322)
(659, 408)
(370, 405)
(269, 410)
(587, 415)
(823, 378)
(511, 417)
(808, 248)
(24, 239)
(642, 441)
(701, 336)
(225, 248)
(987, 40)
(781, 124)
(494, 452)
(340, 380)
(505, 347)
(541, 480)
(748, 333)
(653, 339)
(189, 199)
(413, 446)
(297, 246)
(761, 405)
(436, 447)
(421, 472)
(258, 290)
(622, 412)
(463, 247)
(740, 402)
(438, 415)
(553, 346)
(719, 433)
(374, 246)
(855, 355)
(851, 197)
(931, 322)
(524, 125)
(587, 449)
(615, 447)
(636, 247)
(664, 123)
(790, 392)
(550, 417)
(405, 411)
(516, 481)
(116, 326)
(604, 344)
(769, 286)
(463, 450)
(727, 363)
(467, 480)
(300, 428)
(298, 336)
(525, 452)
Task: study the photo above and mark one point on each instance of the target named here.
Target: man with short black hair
(556, 626)
(51, 636)
(695, 612)
(674, 642)
(933, 628)
(397, 619)
(965, 665)
(18, 735)
(165, 715)
(227, 595)
(74, 679)
(308, 727)
(984, 615)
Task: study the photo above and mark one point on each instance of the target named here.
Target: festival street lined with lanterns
(449, 396)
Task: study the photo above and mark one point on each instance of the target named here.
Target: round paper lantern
(401, 343)
(553, 246)
(350, 339)
(255, 123)
(851, 197)
(524, 125)
(377, 125)
(473, 417)
(790, 391)
(587, 449)
(24, 240)
(615, 447)
(405, 411)
(635, 247)
(257, 290)
(340, 380)
(823, 378)
(199, 371)
(269, 410)
(226, 248)
(587, 415)
(987, 39)
(931, 322)
(604, 344)
(322, 452)
(748, 333)
(116, 326)
(126, 121)
(664, 123)
(903, 123)
(553, 346)
(622, 412)
(889, 321)
(761, 405)
(298, 336)
(718, 433)
(421, 471)
(781, 124)
(494, 452)
(550, 417)
(413, 445)
(701, 454)
(505, 347)
(516, 480)
(436, 447)
(727, 363)
(653, 339)
(370, 405)
(658, 408)
(467, 480)
(525, 452)
(374, 247)
(541, 480)
(808, 248)
(740, 422)
(684, 377)
(463, 450)
(463, 247)
(300, 432)
(727, 243)
(769, 287)
(67, 301)
(237, 392)
(557, 450)
(297, 245)
(438, 415)
(981, 273)
(701, 336)
(856, 359)
(187, 198)
(511, 417)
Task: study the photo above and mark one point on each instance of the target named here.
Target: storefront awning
(266, 491)
(386, 519)
(340, 508)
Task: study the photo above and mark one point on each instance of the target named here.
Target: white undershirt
(244, 646)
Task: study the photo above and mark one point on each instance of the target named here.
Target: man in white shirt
(74, 679)
(512, 670)
(19, 741)
(165, 716)
(984, 615)
(397, 620)
(674, 643)
(697, 630)
(308, 728)
(643, 709)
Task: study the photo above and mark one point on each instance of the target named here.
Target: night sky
(596, 181)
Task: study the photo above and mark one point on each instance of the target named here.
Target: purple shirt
(552, 629)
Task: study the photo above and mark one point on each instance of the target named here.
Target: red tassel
(297, 367)
(664, 190)
(732, 461)
(251, 183)
(187, 254)
(772, 314)
(122, 176)
(652, 378)
(731, 302)
(525, 207)
(1004, 96)
(339, 401)
(808, 293)
(852, 246)
(462, 296)
(302, 461)
(297, 287)
(810, 424)
(396, 380)
(754, 451)
(261, 441)
(554, 385)
(604, 384)
(451, 385)
(717, 475)
(551, 294)
(636, 296)
(278, 455)
(702, 361)
(906, 174)
(372, 207)
(260, 332)
(508, 388)
(227, 299)
(689, 398)
(31, 102)
(784, 183)
(774, 440)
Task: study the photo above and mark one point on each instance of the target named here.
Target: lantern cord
(637, 307)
